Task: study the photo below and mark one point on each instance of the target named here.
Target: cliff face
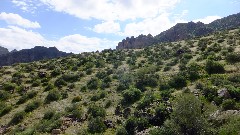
(182, 31)
(138, 42)
(29, 55)
(3, 50)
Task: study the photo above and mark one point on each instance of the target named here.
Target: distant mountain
(30, 55)
(183, 31)
(3, 50)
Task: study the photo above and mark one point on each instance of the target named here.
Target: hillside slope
(156, 90)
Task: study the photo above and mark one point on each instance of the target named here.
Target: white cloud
(107, 27)
(15, 19)
(153, 25)
(111, 10)
(77, 43)
(27, 5)
(18, 38)
(208, 19)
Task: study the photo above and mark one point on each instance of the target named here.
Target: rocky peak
(3, 50)
(138, 42)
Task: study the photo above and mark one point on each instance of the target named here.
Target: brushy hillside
(186, 87)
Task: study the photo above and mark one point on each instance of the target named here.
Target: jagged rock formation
(29, 55)
(3, 50)
(183, 31)
(138, 42)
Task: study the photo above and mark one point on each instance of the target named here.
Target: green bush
(60, 83)
(121, 131)
(76, 99)
(70, 77)
(213, 67)
(96, 111)
(229, 104)
(4, 95)
(53, 95)
(76, 110)
(131, 95)
(93, 83)
(36, 83)
(96, 125)
(9, 86)
(56, 72)
(233, 57)
(130, 125)
(17, 118)
(32, 106)
(178, 81)
(231, 127)
(49, 114)
(4, 109)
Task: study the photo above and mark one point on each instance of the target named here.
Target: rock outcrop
(30, 55)
(3, 50)
(138, 42)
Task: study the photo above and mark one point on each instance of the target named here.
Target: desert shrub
(131, 95)
(49, 114)
(76, 99)
(47, 125)
(121, 131)
(193, 71)
(130, 125)
(26, 97)
(108, 104)
(76, 110)
(36, 83)
(233, 57)
(60, 83)
(53, 95)
(17, 118)
(161, 114)
(228, 104)
(4, 95)
(96, 125)
(56, 72)
(32, 106)
(209, 93)
(96, 111)
(146, 101)
(50, 86)
(70, 77)
(89, 71)
(4, 109)
(9, 86)
(93, 83)
(178, 81)
(231, 127)
(213, 67)
(101, 74)
(142, 123)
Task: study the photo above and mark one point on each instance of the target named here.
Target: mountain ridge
(30, 55)
(184, 31)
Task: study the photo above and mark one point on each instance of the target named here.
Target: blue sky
(90, 25)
